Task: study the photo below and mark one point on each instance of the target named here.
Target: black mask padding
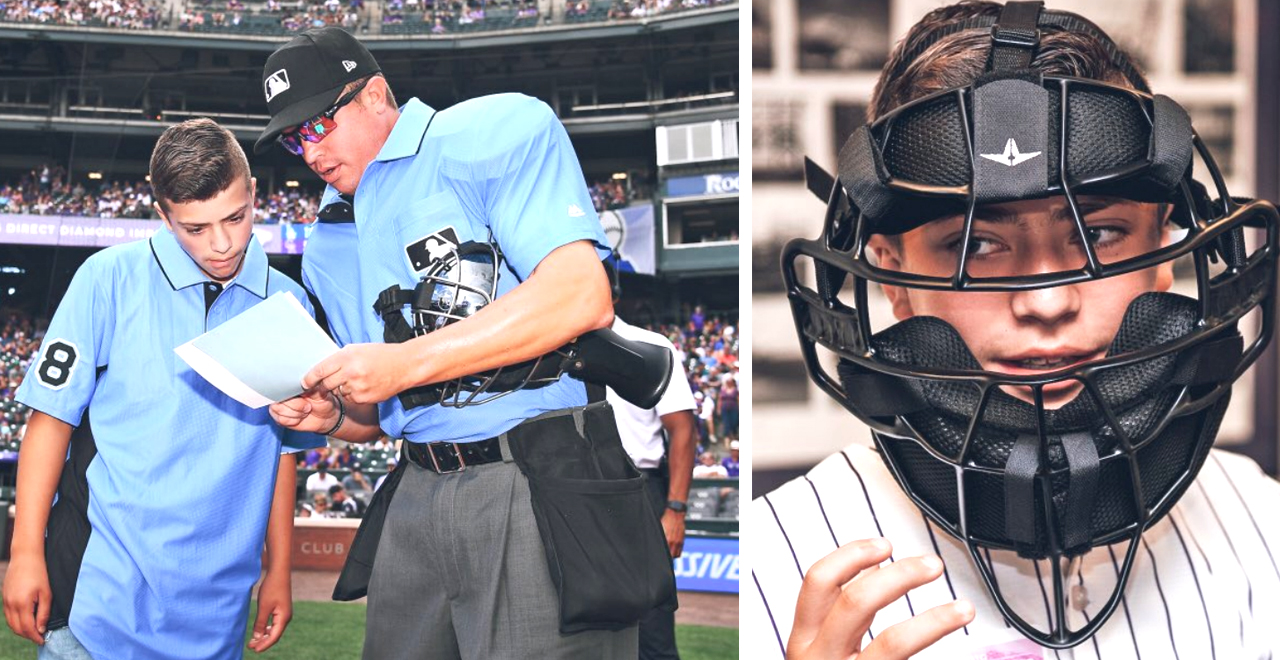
(925, 143)
(1139, 395)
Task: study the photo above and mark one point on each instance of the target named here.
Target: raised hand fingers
(862, 598)
(903, 640)
(824, 580)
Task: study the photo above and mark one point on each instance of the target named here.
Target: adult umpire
(461, 568)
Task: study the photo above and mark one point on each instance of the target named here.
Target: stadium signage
(708, 564)
(725, 183)
(104, 232)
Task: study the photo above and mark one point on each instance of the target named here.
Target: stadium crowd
(18, 345)
(120, 14)
(45, 191)
(628, 9)
(708, 349)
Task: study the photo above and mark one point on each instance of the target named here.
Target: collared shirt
(163, 570)
(641, 428)
(497, 168)
(1204, 582)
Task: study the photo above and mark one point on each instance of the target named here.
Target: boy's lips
(1041, 361)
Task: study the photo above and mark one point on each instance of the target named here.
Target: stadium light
(619, 175)
(95, 175)
(291, 183)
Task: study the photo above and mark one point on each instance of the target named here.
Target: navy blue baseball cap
(305, 77)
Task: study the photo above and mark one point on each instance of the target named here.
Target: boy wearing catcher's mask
(1042, 406)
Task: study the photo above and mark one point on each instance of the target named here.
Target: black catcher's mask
(994, 470)
(464, 280)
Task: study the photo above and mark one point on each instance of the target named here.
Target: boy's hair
(194, 161)
(959, 59)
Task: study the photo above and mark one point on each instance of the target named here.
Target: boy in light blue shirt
(139, 557)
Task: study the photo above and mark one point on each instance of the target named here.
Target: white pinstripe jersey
(1205, 583)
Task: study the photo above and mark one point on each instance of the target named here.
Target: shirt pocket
(428, 229)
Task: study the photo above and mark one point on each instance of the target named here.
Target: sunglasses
(319, 127)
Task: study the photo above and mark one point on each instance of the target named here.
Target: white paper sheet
(261, 355)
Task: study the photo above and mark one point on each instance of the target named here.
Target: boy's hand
(842, 593)
(314, 411)
(275, 610)
(27, 597)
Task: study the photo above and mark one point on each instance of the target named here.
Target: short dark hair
(194, 161)
(335, 489)
(959, 59)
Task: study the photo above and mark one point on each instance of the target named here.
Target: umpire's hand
(843, 591)
(362, 373)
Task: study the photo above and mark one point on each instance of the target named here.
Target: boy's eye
(1104, 236)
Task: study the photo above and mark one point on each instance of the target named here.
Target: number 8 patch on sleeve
(57, 364)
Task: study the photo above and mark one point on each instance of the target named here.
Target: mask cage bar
(452, 391)
(1059, 637)
(455, 287)
(960, 279)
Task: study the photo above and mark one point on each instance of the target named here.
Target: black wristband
(342, 416)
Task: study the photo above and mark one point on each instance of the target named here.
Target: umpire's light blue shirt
(179, 485)
(497, 166)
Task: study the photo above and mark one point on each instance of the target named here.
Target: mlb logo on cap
(275, 83)
(313, 68)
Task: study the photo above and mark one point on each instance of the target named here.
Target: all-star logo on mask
(275, 83)
(1011, 156)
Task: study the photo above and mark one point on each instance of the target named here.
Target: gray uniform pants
(461, 574)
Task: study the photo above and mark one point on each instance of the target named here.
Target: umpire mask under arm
(996, 471)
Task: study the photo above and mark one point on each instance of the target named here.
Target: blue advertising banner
(22, 229)
(725, 183)
(708, 564)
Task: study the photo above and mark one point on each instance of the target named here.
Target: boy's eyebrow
(1000, 216)
(234, 214)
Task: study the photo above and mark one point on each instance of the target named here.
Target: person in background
(708, 468)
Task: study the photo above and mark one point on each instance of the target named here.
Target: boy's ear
(887, 257)
(160, 211)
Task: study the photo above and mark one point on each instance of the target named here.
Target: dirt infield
(702, 609)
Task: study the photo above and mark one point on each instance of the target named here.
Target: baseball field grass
(335, 631)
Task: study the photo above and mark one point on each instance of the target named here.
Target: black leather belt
(446, 457)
